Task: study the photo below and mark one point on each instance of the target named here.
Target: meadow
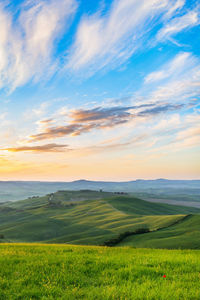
(33, 271)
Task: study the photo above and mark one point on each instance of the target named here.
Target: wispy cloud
(136, 141)
(173, 68)
(26, 44)
(177, 134)
(110, 39)
(99, 113)
(29, 40)
(46, 122)
(177, 6)
(42, 148)
(83, 121)
(176, 25)
(160, 109)
(178, 80)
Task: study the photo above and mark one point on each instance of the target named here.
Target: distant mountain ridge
(17, 190)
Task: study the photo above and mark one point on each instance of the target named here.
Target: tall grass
(33, 271)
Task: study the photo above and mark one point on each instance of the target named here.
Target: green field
(93, 218)
(86, 272)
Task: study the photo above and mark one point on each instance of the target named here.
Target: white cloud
(174, 8)
(187, 135)
(112, 38)
(178, 80)
(178, 24)
(173, 68)
(5, 28)
(3, 116)
(28, 41)
(41, 110)
(26, 44)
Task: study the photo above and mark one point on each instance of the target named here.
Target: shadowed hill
(83, 217)
(183, 235)
(140, 207)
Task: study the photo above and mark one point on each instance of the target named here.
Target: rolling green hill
(183, 235)
(89, 218)
(135, 206)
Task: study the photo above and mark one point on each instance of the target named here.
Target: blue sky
(99, 89)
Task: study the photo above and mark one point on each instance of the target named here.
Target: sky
(99, 90)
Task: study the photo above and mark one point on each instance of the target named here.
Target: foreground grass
(84, 272)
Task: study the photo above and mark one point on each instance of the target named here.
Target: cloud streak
(42, 148)
(177, 81)
(29, 41)
(179, 24)
(27, 44)
(172, 68)
(116, 35)
(102, 118)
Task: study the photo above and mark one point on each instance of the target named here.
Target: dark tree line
(114, 241)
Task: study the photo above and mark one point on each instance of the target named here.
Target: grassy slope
(80, 272)
(140, 207)
(89, 222)
(183, 235)
(65, 196)
(75, 220)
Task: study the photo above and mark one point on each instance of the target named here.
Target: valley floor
(36, 271)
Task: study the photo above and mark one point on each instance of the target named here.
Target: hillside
(80, 272)
(84, 217)
(183, 235)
